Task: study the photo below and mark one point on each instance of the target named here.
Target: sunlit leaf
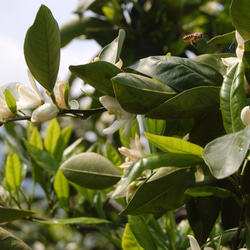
(13, 171)
(112, 155)
(228, 38)
(225, 154)
(10, 214)
(61, 186)
(10, 100)
(42, 48)
(174, 145)
(129, 241)
(90, 170)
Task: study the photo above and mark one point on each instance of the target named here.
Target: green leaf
(13, 175)
(233, 98)
(174, 145)
(112, 155)
(76, 220)
(129, 241)
(152, 162)
(10, 241)
(179, 73)
(42, 48)
(111, 52)
(139, 94)
(208, 191)
(156, 126)
(91, 170)
(225, 154)
(10, 214)
(11, 101)
(202, 215)
(35, 139)
(239, 11)
(227, 38)
(140, 230)
(42, 158)
(164, 190)
(188, 104)
(52, 135)
(98, 75)
(61, 186)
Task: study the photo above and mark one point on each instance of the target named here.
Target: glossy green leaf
(13, 175)
(156, 126)
(139, 94)
(152, 162)
(233, 98)
(179, 73)
(208, 191)
(239, 11)
(52, 135)
(10, 241)
(225, 154)
(42, 158)
(10, 100)
(188, 104)
(61, 187)
(129, 241)
(42, 48)
(174, 145)
(76, 220)
(112, 154)
(140, 230)
(164, 190)
(227, 38)
(98, 75)
(111, 52)
(202, 215)
(90, 170)
(10, 214)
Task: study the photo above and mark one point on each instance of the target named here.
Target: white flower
(123, 118)
(245, 115)
(59, 91)
(4, 110)
(194, 244)
(45, 112)
(131, 154)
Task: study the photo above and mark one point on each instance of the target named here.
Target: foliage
(188, 110)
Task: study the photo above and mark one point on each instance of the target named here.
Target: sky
(16, 16)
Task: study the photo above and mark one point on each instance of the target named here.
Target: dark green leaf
(42, 48)
(179, 73)
(9, 214)
(239, 11)
(90, 170)
(202, 215)
(188, 104)
(98, 75)
(10, 241)
(10, 100)
(140, 230)
(225, 154)
(139, 94)
(228, 38)
(233, 98)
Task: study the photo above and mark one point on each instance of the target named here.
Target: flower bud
(45, 112)
(245, 115)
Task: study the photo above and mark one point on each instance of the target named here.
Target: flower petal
(45, 112)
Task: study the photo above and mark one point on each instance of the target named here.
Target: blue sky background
(16, 16)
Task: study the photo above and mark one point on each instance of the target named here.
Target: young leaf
(13, 171)
(10, 100)
(174, 145)
(129, 241)
(90, 170)
(225, 154)
(112, 155)
(42, 48)
(61, 186)
(233, 98)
